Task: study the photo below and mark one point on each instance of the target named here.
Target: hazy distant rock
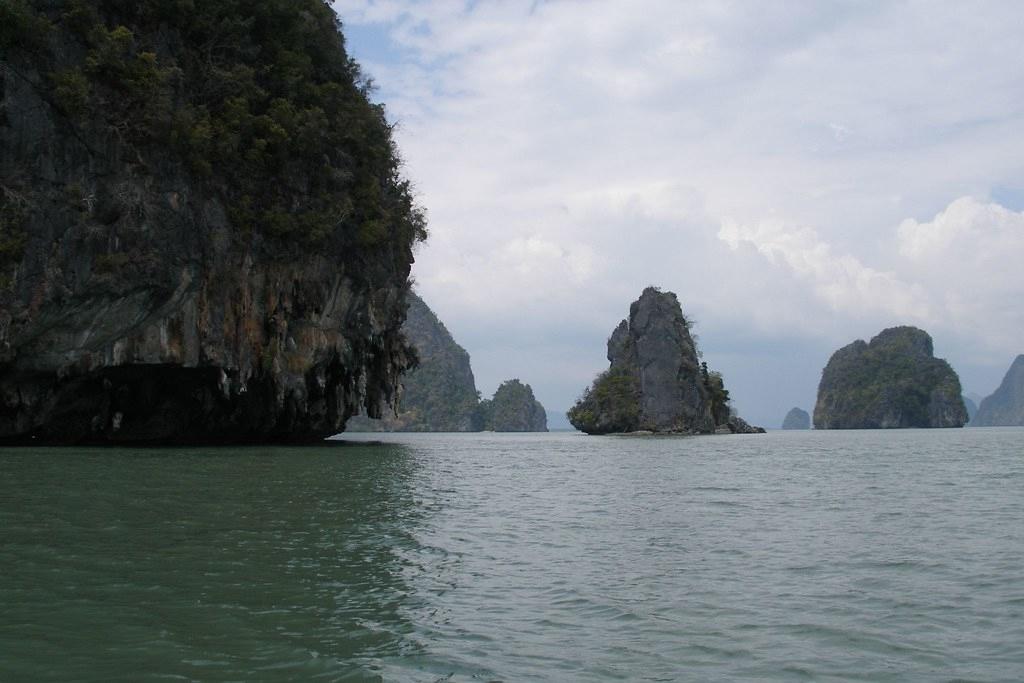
(513, 409)
(440, 394)
(1005, 407)
(895, 381)
(797, 419)
(655, 382)
(971, 406)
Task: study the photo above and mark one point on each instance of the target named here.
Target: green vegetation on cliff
(512, 409)
(894, 381)
(439, 395)
(204, 234)
(654, 382)
(257, 99)
(610, 404)
(717, 393)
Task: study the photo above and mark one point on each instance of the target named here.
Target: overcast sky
(801, 174)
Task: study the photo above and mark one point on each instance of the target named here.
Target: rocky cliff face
(440, 394)
(895, 381)
(655, 381)
(513, 409)
(199, 242)
(737, 425)
(797, 419)
(1005, 407)
(971, 407)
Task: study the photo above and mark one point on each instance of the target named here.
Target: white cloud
(570, 153)
(969, 256)
(840, 281)
(984, 237)
(958, 275)
(840, 132)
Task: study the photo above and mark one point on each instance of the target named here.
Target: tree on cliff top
(204, 233)
(256, 99)
(513, 408)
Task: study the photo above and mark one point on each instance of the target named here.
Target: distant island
(656, 382)
(797, 418)
(971, 407)
(440, 394)
(1005, 407)
(894, 381)
(513, 408)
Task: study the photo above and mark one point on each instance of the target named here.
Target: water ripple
(803, 556)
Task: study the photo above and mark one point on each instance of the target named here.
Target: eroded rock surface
(1005, 407)
(513, 408)
(655, 382)
(439, 395)
(892, 382)
(142, 297)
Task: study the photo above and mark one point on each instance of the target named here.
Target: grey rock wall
(1005, 407)
(439, 394)
(892, 382)
(135, 310)
(797, 418)
(655, 382)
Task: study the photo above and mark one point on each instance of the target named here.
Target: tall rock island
(797, 418)
(893, 381)
(655, 381)
(1005, 407)
(204, 236)
(439, 395)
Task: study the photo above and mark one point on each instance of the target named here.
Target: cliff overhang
(194, 248)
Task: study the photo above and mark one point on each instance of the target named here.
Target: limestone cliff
(440, 394)
(1005, 407)
(970, 406)
(797, 418)
(655, 381)
(893, 381)
(203, 234)
(737, 425)
(513, 409)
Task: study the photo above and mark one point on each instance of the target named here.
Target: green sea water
(790, 556)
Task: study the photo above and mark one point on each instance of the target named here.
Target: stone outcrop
(143, 297)
(797, 418)
(439, 395)
(513, 409)
(1005, 407)
(894, 381)
(737, 425)
(655, 382)
(971, 407)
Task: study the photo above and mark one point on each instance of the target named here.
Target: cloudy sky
(801, 174)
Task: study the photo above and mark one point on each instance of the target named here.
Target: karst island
(656, 382)
(204, 233)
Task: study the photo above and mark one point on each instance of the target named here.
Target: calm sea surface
(791, 556)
